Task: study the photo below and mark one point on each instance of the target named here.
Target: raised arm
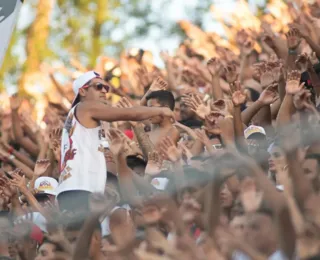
(25, 142)
(101, 111)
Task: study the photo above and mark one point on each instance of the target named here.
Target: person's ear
(82, 92)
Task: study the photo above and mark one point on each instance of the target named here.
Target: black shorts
(76, 201)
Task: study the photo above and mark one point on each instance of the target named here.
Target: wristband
(10, 150)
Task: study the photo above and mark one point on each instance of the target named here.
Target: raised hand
(268, 40)
(230, 72)
(293, 85)
(214, 67)
(41, 167)
(301, 100)
(302, 29)
(189, 210)
(247, 47)
(169, 151)
(124, 103)
(250, 197)
(196, 105)
(117, 142)
(267, 77)
(15, 102)
(238, 95)
(143, 76)
(154, 164)
(19, 181)
(55, 142)
(241, 37)
(56, 134)
(293, 38)
(269, 95)
(303, 62)
(158, 84)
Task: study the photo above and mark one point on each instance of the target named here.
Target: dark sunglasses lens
(101, 86)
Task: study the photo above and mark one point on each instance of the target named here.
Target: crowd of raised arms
(214, 159)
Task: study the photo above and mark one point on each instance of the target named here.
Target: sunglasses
(99, 87)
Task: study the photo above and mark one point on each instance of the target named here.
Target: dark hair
(48, 241)
(134, 161)
(253, 94)
(178, 99)
(192, 123)
(164, 97)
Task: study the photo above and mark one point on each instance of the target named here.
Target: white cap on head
(46, 185)
(81, 81)
(254, 129)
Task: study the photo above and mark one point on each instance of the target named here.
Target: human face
(46, 251)
(225, 197)
(185, 112)
(96, 89)
(310, 169)
(277, 159)
(177, 112)
(260, 232)
(238, 226)
(155, 103)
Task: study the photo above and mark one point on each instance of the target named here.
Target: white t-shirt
(277, 255)
(83, 166)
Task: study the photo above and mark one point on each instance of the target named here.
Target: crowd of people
(206, 159)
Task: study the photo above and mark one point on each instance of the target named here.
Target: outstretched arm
(101, 111)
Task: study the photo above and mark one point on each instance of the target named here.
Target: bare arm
(82, 248)
(314, 46)
(127, 187)
(250, 111)
(314, 80)
(285, 111)
(275, 108)
(277, 201)
(143, 139)
(238, 130)
(25, 142)
(101, 111)
(21, 157)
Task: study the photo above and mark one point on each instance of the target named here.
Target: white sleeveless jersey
(83, 165)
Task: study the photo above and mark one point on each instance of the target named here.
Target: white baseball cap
(46, 185)
(254, 129)
(81, 81)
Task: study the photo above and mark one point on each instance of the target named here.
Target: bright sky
(174, 11)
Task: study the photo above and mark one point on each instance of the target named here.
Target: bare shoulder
(83, 114)
(174, 134)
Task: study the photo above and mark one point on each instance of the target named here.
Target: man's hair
(134, 161)
(164, 97)
(47, 240)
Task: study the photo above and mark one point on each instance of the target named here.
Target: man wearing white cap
(83, 167)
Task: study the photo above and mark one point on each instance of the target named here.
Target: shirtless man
(161, 126)
(83, 167)
(156, 97)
